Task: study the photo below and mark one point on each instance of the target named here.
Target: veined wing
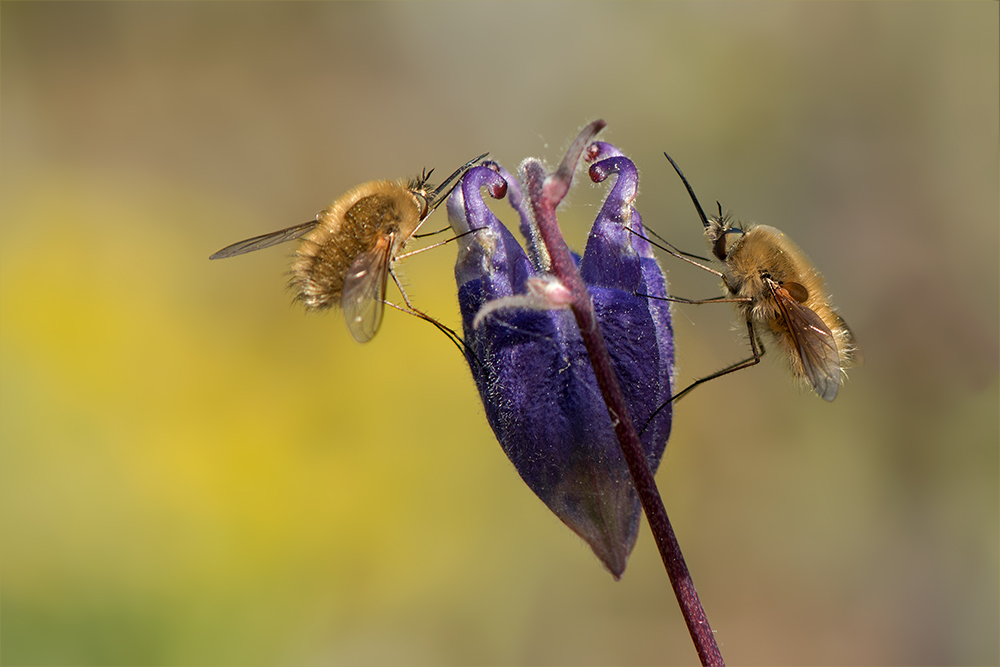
(816, 346)
(265, 240)
(363, 298)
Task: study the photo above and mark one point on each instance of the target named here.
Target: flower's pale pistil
(531, 368)
(545, 292)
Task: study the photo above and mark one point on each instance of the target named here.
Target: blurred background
(196, 472)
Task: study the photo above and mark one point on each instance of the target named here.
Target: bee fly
(778, 293)
(348, 251)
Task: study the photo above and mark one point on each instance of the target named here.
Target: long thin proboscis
(701, 213)
(435, 198)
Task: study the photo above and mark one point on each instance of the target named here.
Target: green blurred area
(195, 472)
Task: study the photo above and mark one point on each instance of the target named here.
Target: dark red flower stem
(545, 192)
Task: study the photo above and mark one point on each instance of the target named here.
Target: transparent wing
(265, 240)
(363, 298)
(815, 343)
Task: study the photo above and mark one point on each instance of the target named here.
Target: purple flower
(530, 365)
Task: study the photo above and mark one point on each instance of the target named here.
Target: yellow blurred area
(193, 471)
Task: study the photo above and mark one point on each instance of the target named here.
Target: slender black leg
(755, 346)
